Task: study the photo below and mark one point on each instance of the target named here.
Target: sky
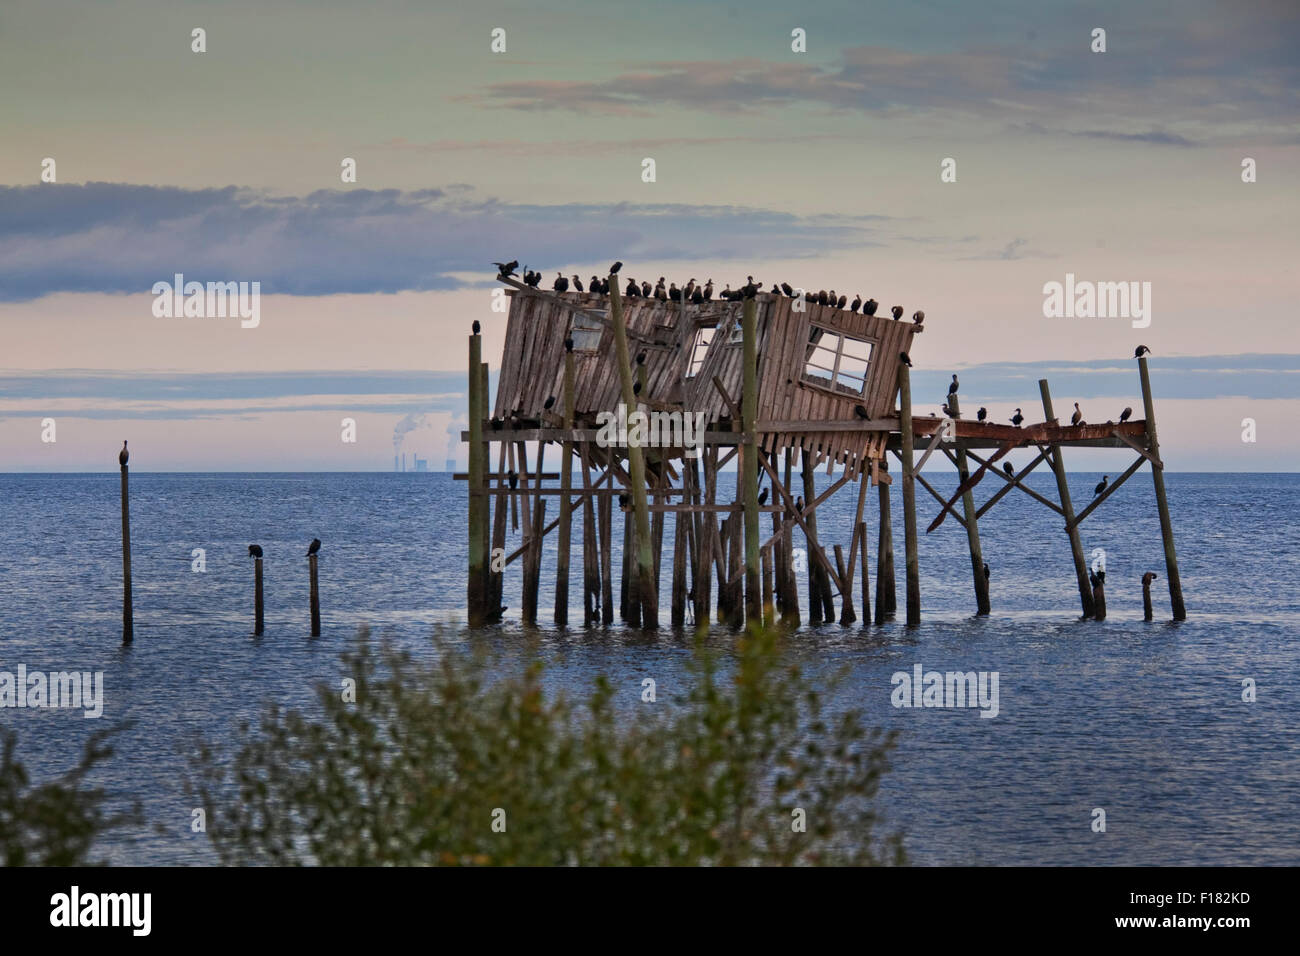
(821, 168)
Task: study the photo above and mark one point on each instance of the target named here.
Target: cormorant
(982, 414)
(568, 344)
(633, 290)
(313, 547)
(577, 283)
(1006, 467)
(822, 298)
(946, 410)
(856, 303)
(660, 293)
(869, 307)
(902, 357)
(636, 388)
(595, 284)
(1101, 486)
(549, 403)
(841, 301)
(646, 290)
(798, 504)
(613, 270)
(987, 573)
(622, 501)
(1148, 577)
(1017, 418)
(1077, 417)
(674, 293)
(697, 296)
(918, 317)
(123, 455)
(708, 290)
(512, 477)
(254, 550)
(1124, 415)
(506, 269)
(641, 357)
(861, 412)
(952, 389)
(1140, 351)
(898, 312)
(560, 284)
(787, 289)
(762, 497)
(476, 327)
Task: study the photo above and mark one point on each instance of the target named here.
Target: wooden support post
(1162, 504)
(566, 506)
(590, 560)
(476, 597)
(769, 604)
(821, 604)
(128, 609)
(704, 541)
(790, 603)
(847, 614)
(315, 597)
(972, 525)
(649, 615)
(1147, 612)
(1067, 508)
(606, 559)
(257, 597)
(909, 498)
(680, 522)
(866, 576)
(886, 588)
(533, 561)
(749, 452)
(496, 578)
(1098, 582)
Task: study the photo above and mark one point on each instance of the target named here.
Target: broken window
(585, 332)
(837, 362)
(700, 347)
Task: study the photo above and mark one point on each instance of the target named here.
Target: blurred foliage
(55, 823)
(413, 771)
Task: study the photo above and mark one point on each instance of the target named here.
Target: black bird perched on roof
(750, 291)
(613, 270)
(762, 497)
(313, 547)
(1006, 466)
(856, 303)
(1101, 485)
(822, 297)
(1017, 418)
(560, 284)
(549, 403)
(506, 269)
(254, 550)
(982, 414)
(775, 290)
(633, 290)
(861, 412)
(476, 327)
(577, 283)
(532, 279)
(918, 317)
(697, 296)
(568, 344)
(1140, 351)
(674, 293)
(869, 307)
(902, 357)
(787, 289)
(841, 301)
(1124, 415)
(595, 284)
(123, 456)
(898, 312)
(708, 290)
(952, 389)
(661, 291)
(512, 477)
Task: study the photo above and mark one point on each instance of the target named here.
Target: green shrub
(413, 771)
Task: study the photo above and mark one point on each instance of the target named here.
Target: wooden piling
(866, 577)
(533, 560)
(972, 523)
(909, 497)
(1067, 508)
(566, 505)
(749, 452)
(496, 577)
(649, 615)
(1098, 582)
(315, 596)
(769, 604)
(886, 587)
(680, 522)
(606, 560)
(1162, 504)
(476, 581)
(847, 614)
(590, 553)
(257, 597)
(1147, 611)
(821, 604)
(128, 609)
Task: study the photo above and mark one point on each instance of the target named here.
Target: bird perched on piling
(1017, 418)
(982, 414)
(898, 312)
(476, 327)
(1124, 415)
(1101, 485)
(918, 317)
(856, 303)
(902, 357)
(1140, 351)
(577, 283)
(254, 550)
(314, 547)
(861, 412)
(123, 456)
(987, 573)
(1077, 417)
(506, 269)
(954, 385)
(869, 307)
(561, 284)
(613, 270)
(946, 410)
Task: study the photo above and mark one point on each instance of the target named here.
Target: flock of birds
(695, 293)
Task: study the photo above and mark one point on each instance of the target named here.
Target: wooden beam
(798, 518)
(1096, 501)
(1011, 482)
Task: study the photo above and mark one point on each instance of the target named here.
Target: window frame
(832, 385)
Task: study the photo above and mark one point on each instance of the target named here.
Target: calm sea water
(1143, 720)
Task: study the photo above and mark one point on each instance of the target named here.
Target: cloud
(119, 238)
